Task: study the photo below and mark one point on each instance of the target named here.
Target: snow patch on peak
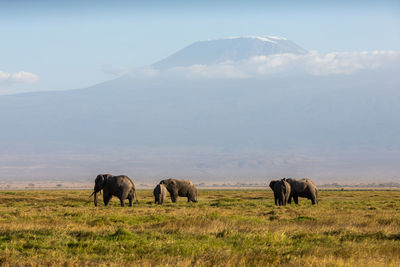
(265, 39)
(277, 38)
(270, 39)
(233, 49)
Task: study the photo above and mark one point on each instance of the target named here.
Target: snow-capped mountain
(165, 124)
(229, 49)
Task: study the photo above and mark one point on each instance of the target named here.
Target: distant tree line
(361, 185)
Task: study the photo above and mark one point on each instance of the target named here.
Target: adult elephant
(302, 188)
(120, 186)
(182, 188)
(160, 193)
(281, 190)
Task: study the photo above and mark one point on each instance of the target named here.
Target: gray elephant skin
(181, 188)
(281, 190)
(160, 193)
(302, 188)
(120, 186)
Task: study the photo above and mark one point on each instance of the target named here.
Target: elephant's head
(99, 185)
(171, 186)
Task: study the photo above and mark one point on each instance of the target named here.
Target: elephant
(182, 188)
(302, 188)
(160, 193)
(121, 186)
(281, 190)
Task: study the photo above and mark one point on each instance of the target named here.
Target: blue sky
(75, 44)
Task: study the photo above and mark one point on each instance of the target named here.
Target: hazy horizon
(248, 92)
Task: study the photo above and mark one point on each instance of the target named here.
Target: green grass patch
(225, 228)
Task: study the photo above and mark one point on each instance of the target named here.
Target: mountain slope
(229, 49)
(209, 129)
(160, 125)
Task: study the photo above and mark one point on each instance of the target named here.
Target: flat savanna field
(225, 228)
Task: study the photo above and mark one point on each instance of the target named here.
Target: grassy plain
(226, 228)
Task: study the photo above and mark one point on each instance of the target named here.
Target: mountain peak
(271, 39)
(229, 49)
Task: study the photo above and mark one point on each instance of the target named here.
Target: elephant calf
(281, 190)
(120, 186)
(182, 188)
(302, 188)
(160, 193)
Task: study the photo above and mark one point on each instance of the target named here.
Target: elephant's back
(187, 188)
(123, 180)
(311, 182)
(187, 182)
(297, 185)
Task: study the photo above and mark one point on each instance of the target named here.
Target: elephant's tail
(137, 200)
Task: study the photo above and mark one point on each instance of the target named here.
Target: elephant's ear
(173, 182)
(271, 184)
(99, 179)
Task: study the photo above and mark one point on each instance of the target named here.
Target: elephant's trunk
(95, 198)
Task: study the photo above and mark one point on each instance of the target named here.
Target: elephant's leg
(122, 202)
(123, 194)
(290, 199)
(286, 199)
(130, 198)
(106, 198)
(296, 199)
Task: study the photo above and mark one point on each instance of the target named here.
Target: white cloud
(18, 77)
(4, 76)
(24, 77)
(313, 63)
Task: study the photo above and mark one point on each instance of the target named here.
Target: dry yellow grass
(226, 228)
